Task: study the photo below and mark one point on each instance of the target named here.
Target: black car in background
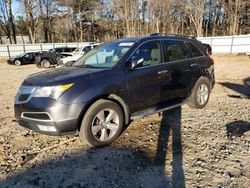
(52, 56)
(23, 59)
(115, 83)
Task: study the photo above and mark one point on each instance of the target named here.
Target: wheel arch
(112, 97)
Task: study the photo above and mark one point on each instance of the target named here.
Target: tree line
(105, 20)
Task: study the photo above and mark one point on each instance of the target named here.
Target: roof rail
(155, 34)
(185, 36)
(174, 35)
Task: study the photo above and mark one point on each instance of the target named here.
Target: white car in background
(77, 54)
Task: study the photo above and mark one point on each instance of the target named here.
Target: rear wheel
(200, 94)
(38, 61)
(102, 123)
(45, 63)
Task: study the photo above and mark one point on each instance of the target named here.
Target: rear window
(175, 50)
(195, 51)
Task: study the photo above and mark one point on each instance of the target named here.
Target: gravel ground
(178, 148)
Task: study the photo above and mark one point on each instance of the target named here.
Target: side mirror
(136, 63)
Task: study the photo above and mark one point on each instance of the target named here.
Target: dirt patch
(182, 147)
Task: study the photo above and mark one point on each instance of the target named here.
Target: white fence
(223, 44)
(228, 44)
(12, 50)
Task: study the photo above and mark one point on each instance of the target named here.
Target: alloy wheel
(105, 125)
(202, 94)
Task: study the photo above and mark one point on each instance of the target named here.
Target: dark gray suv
(115, 83)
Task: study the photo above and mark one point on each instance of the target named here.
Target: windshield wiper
(84, 66)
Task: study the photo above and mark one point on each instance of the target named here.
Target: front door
(145, 82)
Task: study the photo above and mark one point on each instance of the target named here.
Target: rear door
(177, 61)
(145, 82)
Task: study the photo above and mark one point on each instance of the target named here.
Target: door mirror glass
(136, 63)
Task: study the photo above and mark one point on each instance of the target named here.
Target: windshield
(105, 56)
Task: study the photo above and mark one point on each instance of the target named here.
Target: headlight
(51, 91)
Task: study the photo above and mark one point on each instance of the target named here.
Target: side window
(86, 49)
(175, 50)
(28, 56)
(195, 51)
(150, 52)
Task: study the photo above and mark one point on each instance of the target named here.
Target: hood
(71, 58)
(55, 76)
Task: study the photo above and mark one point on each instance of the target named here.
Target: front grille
(42, 116)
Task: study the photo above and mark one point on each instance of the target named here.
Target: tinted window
(175, 50)
(68, 49)
(86, 49)
(28, 55)
(150, 52)
(195, 51)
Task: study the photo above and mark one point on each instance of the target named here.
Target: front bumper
(10, 62)
(61, 119)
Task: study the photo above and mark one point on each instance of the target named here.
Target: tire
(17, 63)
(200, 94)
(38, 61)
(68, 64)
(96, 127)
(45, 63)
(38, 65)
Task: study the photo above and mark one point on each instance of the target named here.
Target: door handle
(194, 65)
(163, 72)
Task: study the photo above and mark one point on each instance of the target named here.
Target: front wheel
(17, 63)
(200, 94)
(102, 123)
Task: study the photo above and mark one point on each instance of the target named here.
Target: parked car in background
(62, 51)
(23, 59)
(77, 54)
(120, 81)
(51, 57)
(47, 59)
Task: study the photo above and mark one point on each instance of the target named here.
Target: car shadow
(237, 128)
(243, 90)
(247, 82)
(171, 126)
(112, 166)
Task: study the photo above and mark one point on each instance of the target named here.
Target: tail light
(212, 61)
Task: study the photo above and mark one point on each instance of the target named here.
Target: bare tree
(4, 20)
(30, 7)
(11, 22)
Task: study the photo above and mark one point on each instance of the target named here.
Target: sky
(17, 9)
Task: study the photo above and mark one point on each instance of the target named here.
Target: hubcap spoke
(104, 135)
(110, 116)
(101, 116)
(96, 129)
(112, 126)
